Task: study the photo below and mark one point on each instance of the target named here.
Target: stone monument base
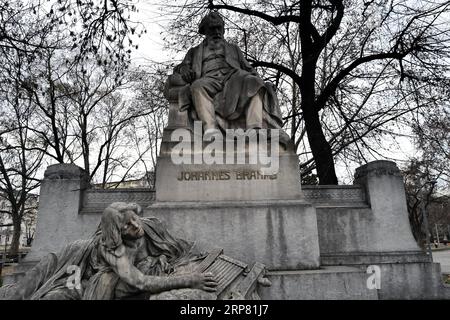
(398, 281)
(325, 245)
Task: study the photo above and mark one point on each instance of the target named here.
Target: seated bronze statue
(219, 87)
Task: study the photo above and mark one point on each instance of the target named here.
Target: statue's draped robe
(49, 278)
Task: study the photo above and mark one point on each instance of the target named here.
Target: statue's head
(120, 221)
(212, 26)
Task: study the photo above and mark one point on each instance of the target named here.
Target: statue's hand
(188, 75)
(204, 281)
(165, 266)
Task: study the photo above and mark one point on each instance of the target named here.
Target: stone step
(326, 283)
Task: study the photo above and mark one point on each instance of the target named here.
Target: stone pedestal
(254, 214)
(280, 234)
(312, 251)
(227, 182)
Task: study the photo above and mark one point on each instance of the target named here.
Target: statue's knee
(196, 86)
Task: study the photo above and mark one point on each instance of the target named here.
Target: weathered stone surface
(377, 233)
(280, 234)
(352, 230)
(94, 201)
(63, 171)
(335, 196)
(328, 283)
(234, 182)
(389, 228)
(58, 220)
(410, 281)
(397, 281)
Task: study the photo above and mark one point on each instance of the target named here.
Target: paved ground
(443, 257)
(7, 270)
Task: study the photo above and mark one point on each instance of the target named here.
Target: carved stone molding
(344, 194)
(95, 201)
(63, 171)
(377, 168)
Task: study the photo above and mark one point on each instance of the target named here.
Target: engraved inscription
(224, 175)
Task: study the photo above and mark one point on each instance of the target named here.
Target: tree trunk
(14, 249)
(417, 227)
(320, 148)
(319, 145)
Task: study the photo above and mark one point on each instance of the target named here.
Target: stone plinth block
(390, 229)
(279, 234)
(59, 222)
(223, 182)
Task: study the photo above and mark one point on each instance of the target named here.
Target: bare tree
(424, 192)
(433, 140)
(20, 163)
(145, 133)
(100, 27)
(149, 94)
(116, 156)
(41, 46)
(103, 28)
(81, 115)
(23, 27)
(29, 220)
(431, 164)
(358, 67)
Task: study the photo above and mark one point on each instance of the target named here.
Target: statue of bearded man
(222, 87)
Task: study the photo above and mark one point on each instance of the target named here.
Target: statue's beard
(214, 41)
